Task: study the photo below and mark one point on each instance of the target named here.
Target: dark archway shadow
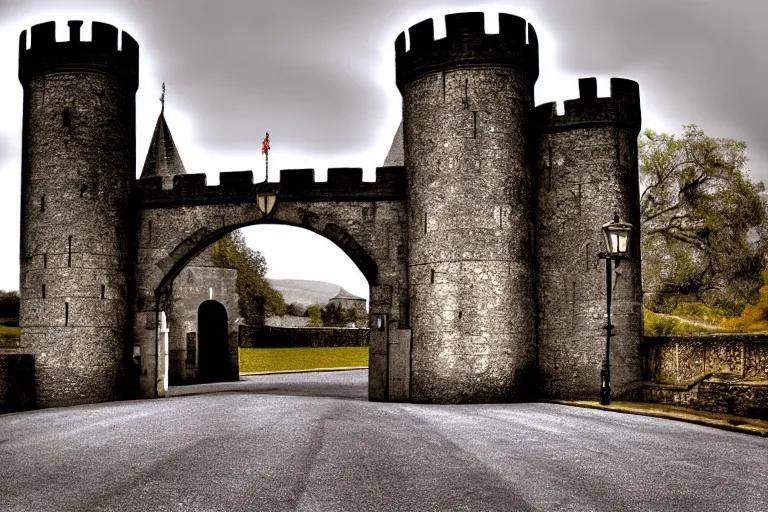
(212, 342)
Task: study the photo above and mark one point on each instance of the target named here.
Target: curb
(277, 372)
(692, 417)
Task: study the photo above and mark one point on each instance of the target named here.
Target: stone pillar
(467, 105)
(588, 170)
(77, 229)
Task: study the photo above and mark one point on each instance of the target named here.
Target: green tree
(295, 309)
(702, 220)
(315, 317)
(334, 315)
(256, 298)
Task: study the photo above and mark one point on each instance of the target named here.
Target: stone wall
(280, 337)
(716, 372)
(196, 283)
(77, 223)
(587, 173)
(467, 101)
(367, 220)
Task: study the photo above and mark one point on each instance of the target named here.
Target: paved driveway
(312, 441)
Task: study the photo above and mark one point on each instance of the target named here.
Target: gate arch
(212, 342)
(366, 220)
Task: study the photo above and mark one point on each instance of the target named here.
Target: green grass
(657, 324)
(277, 359)
(9, 331)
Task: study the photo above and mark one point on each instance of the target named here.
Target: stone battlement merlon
(466, 45)
(621, 108)
(344, 184)
(101, 55)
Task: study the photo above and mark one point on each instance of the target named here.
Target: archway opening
(213, 342)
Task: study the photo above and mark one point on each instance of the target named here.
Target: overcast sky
(319, 76)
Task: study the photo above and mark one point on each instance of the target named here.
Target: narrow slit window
(66, 118)
(42, 204)
(432, 276)
(43, 292)
(459, 315)
(425, 222)
(45, 260)
(103, 289)
(83, 190)
(66, 313)
(69, 251)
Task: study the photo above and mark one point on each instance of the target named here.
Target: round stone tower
(467, 113)
(588, 171)
(78, 164)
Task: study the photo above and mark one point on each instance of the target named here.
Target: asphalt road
(313, 442)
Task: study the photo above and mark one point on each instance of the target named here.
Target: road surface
(312, 442)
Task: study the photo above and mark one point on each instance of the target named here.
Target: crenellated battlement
(100, 55)
(622, 107)
(344, 184)
(465, 45)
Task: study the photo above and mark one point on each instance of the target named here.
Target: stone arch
(193, 244)
(177, 225)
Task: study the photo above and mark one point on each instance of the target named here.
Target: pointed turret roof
(162, 158)
(396, 155)
(344, 294)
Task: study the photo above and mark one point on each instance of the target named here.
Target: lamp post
(616, 236)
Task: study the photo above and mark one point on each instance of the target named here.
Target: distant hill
(304, 292)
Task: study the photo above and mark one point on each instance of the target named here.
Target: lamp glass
(622, 245)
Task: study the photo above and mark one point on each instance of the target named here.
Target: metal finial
(162, 100)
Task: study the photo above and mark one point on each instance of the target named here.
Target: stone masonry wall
(470, 269)
(718, 372)
(587, 172)
(194, 285)
(372, 233)
(78, 162)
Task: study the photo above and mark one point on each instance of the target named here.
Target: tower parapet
(100, 55)
(466, 45)
(621, 108)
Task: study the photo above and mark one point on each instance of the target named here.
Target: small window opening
(425, 222)
(45, 260)
(43, 291)
(103, 288)
(83, 190)
(66, 118)
(69, 251)
(432, 276)
(42, 204)
(459, 315)
(66, 313)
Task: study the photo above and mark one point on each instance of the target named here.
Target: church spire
(163, 158)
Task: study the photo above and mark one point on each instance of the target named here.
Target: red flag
(265, 145)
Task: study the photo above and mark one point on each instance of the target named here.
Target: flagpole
(267, 169)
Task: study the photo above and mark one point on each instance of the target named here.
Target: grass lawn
(275, 359)
(9, 331)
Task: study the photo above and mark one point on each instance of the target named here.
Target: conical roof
(395, 157)
(344, 294)
(162, 158)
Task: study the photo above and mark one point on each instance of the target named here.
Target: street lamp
(617, 236)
